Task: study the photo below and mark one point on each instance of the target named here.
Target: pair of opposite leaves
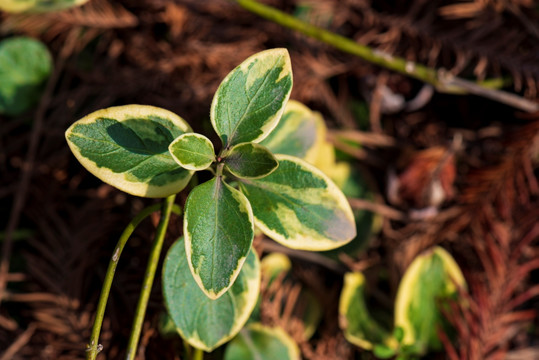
(148, 151)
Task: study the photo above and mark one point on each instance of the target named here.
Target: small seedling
(151, 152)
(429, 282)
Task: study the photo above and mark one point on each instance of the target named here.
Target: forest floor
(481, 154)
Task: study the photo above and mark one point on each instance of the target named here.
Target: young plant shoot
(151, 152)
(431, 280)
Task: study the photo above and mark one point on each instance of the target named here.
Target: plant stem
(93, 347)
(188, 349)
(385, 60)
(198, 354)
(441, 79)
(149, 277)
(219, 169)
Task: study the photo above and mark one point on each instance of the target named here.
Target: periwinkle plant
(151, 152)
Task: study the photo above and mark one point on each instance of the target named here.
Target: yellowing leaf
(359, 327)
(428, 281)
(300, 133)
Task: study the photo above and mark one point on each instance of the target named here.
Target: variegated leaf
(203, 322)
(38, 6)
(350, 180)
(359, 327)
(429, 280)
(300, 207)
(250, 161)
(299, 133)
(127, 147)
(261, 342)
(192, 151)
(250, 101)
(218, 229)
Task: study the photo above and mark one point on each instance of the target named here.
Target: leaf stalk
(149, 277)
(198, 354)
(93, 347)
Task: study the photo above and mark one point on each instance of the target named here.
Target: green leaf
(350, 180)
(250, 161)
(192, 151)
(398, 333)
(25, 65)
(405, 357)
(261, 342)
(202, 322)
(127, 147)
(299, 133)
(218, 229)
(302, 133)
(382, 351)
(250, 101)
(359, 327)
(300, 207)
(37, 6)
(428, 281)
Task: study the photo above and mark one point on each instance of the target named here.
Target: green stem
(198, 354)
(93, 347)
(385, 60)
(219, 169)
(442, 80)
(149, 277)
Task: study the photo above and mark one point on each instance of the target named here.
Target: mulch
(173, 54)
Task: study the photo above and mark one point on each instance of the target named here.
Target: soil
(482, 154)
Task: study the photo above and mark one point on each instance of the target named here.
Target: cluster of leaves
(151, 152)
(430, 281)
(262, 175)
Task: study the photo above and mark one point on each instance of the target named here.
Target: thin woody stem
(439, 78)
